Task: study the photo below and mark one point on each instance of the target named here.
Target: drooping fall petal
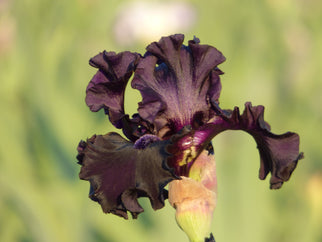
(279, 154)
(120, 173)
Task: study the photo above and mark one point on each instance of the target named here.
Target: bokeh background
(273, 50)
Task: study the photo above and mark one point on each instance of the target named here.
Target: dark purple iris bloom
(177, 118)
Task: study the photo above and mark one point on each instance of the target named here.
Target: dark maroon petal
(177, 82)
(107, 87)
(279, 154)
(119, 174)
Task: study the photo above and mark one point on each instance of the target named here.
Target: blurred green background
(273, 50)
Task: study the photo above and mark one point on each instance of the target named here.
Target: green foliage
(273, 50)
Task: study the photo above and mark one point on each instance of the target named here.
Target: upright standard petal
(107, 87)
(119, 173)
(177, 83)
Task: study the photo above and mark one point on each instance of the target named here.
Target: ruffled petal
(119, 174)
(279, 154)
(177, 82)
(107, 87)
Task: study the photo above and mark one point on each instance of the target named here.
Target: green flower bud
(195, 198)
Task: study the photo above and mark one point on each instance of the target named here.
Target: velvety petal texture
(279, 154)
(177, 82)
(107, 87)
(177, 118)
(119, 174)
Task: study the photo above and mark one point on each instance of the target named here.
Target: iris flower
(169, 140)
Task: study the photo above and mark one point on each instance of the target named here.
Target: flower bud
(203, 170)
(195, 198)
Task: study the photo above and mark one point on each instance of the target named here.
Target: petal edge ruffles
(119, 174)
(177, 82)
(107, 87)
